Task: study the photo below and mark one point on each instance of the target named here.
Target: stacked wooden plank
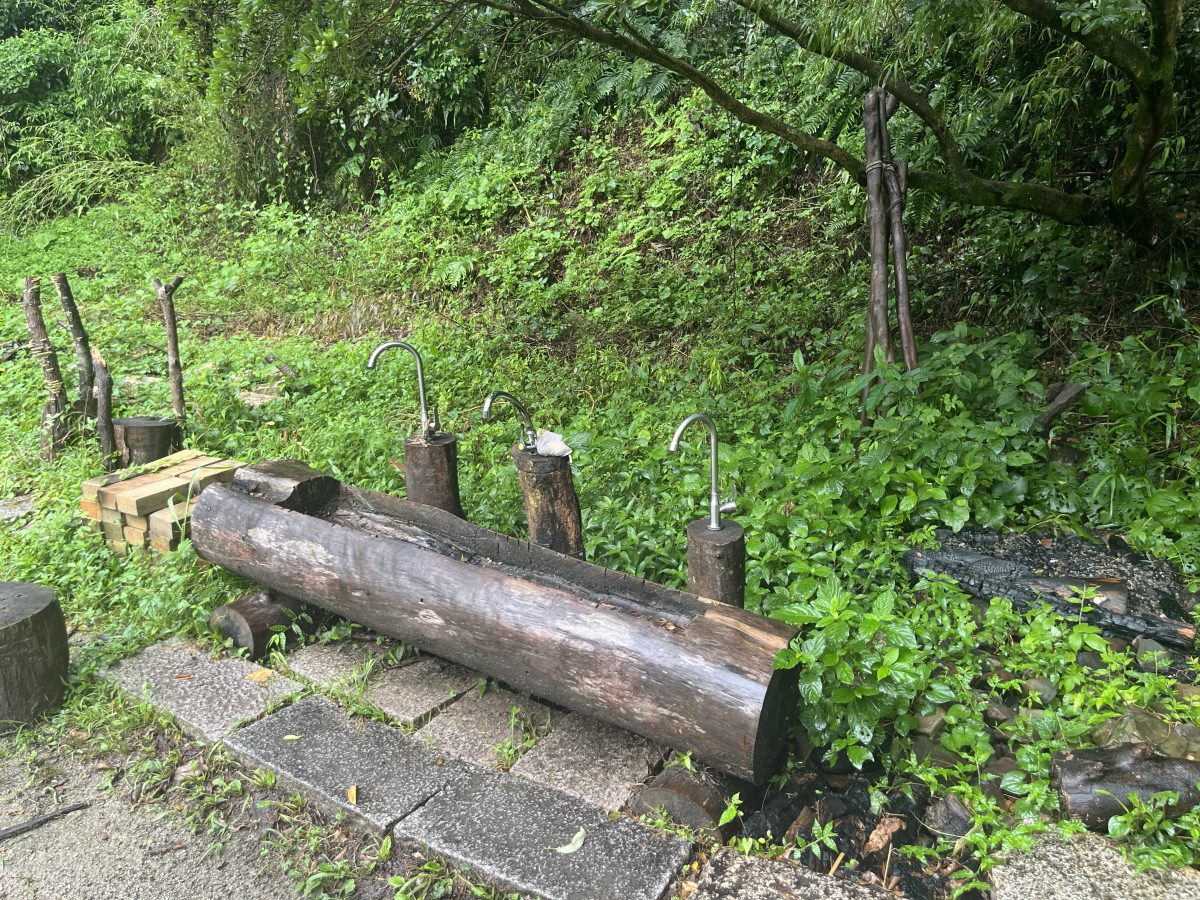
(150, 506)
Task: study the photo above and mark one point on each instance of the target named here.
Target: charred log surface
(986, 577)
(682, 672)
(1094, 785)
(551, 506)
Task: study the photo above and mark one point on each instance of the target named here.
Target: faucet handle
(435, 422)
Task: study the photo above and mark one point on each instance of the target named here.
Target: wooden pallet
(150, 506)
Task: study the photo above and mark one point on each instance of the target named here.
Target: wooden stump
(717, 562)
(143, 439)
(694, 798)
(431, 472)
(551, 506)
(251, 620)
(33, 653)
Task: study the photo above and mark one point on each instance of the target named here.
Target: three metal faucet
(528, 432)
(715, 506)
(429, 424)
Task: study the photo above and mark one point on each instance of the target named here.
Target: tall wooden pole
(174, 367)
(896, 197)
(877, 223)
(104, 419)
(55, 412)
(83, 350)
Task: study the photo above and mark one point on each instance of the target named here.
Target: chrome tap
(429, 424)
(715, 507)
(528, 432)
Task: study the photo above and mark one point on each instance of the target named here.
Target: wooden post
(694, 798)
(717, 562)
(83, 353)
(431, 472)
(679, 671)
(877, 224)
(551, 505)
(251, 620)
(104, 420)
(896, 184)
(56, 413)
(143, 439)
(33, 653)
(165, 293)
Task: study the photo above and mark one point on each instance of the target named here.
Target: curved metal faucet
(528, 432)
(715, 507)
(429, 425)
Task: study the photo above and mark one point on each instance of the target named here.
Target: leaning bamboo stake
(104, 419)
(83, 352)
(896, 196)
(877, 222)
(55, 412)
(174, 368)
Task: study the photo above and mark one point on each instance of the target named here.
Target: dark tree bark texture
(682, 672)
(33, 653)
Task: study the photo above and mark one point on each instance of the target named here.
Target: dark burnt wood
(717, 562)
(1094, 785)
(251, 620)
(682, 672)
(33, 653)
(551, 506)
(431, 472)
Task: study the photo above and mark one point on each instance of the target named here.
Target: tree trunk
(896, 194)
(56, 413)
(33, 653)
(251, 620)
(1094, 785)
(83, 351)
(666, 665)
(551, 506)
(104, 420)
(165, 293)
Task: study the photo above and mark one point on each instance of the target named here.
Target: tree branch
(1106, 43)
(869, 67)
(540, 10)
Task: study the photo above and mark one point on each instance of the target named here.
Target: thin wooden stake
(55, 412)
(877, 222)
(83, 352)
(104, 418)
(174, 367)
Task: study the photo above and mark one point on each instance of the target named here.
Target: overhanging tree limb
(1105, 42)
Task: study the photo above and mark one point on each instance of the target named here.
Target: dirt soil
(114, 851)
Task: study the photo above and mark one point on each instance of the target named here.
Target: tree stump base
(33, 653)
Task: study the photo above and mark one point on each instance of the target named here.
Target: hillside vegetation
(554, 219)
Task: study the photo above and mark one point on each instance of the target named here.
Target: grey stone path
(438, 788)
(207, 697)
(1086, 866)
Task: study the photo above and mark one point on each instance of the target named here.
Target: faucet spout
(715, 507)
(429, 424)
(528, 432)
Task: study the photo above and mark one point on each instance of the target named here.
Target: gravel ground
(113, 851)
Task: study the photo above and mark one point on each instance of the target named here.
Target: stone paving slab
(472, 726)
(590, 760)
(1086, 867)
(315, 748)
(332, 665)
(507, 828)
(410, 694)
(207, 697)
(731, 876)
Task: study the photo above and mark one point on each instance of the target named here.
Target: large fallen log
(676, 669)
(1094, 785)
